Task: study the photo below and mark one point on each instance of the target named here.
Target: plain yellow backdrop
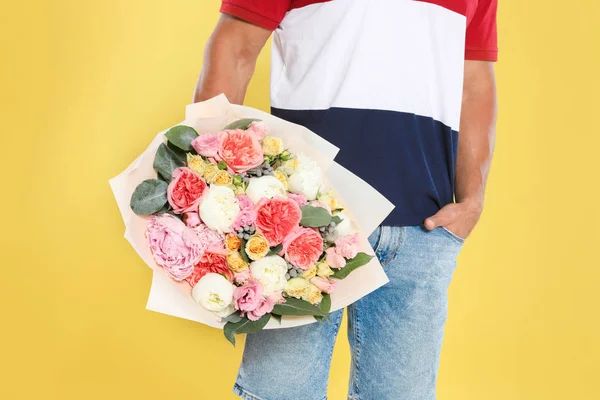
(85, 85)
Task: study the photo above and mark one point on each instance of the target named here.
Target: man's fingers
(443, 217)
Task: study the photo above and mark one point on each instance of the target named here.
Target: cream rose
(270, 272)
(219, 208)
(214, 293)
(265, 187)
(306, 179)
(272, 146)
(346, 227)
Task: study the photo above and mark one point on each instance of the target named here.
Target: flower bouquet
(244, 223)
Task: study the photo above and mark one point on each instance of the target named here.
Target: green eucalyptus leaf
(244, 326)
(149, 197)
(325, 304)
(166, 161)
(243, 251)
(181, 154)
(314, 217)
(294, 306)
(336, 219)
(358, 261)
(181, 136)
(243, 123)
(275, 250)
(233, 318)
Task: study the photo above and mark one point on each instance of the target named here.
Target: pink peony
(266, 306)
(240, 150)
(258, 130)
(209, 263)
(249, 296)
(276, 218)
(212, 240)
(298, 198)
(247, 214)
(348, 246)
(174, 246)
(334, 259)
(303, 247)
(242, 277)
(191, 219)
(207, 145)
(184, 193)
(325, 285)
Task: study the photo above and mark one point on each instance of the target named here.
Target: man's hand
(475, 149)
(229, 59)
(460, 218)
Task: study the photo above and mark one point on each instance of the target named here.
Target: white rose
(270, 272)
(346, 227)
(265, 187)
(219, 208)
(306, 179)
(214, 293)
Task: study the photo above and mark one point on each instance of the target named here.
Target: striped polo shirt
(382, 80)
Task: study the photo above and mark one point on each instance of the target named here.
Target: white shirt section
(395, 55)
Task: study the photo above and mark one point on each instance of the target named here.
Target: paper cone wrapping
(366, 206)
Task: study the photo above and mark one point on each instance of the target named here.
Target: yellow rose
(222, 178)
(324, 270)
(282, 177)
(236, 262)
(289, 166)
(196, 164)
(297, 287)
(210, 171)
(313, 295)
(257, 247)
(310, 273)
(233, 243)
(329, 199)
(272, 146)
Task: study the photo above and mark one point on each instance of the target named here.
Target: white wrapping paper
(367, 207)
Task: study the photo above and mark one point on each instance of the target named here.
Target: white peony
(215, 293)
(265, 187)
(306, 179)
(219, 208)
(346, 227)
(270, 272)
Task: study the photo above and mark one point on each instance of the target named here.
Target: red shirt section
(481, 36)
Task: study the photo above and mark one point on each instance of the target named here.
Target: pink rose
(240, 150)
(298, 198)
(209, 263)
(325, 285)
(276, 218)
(265, 306)
(334, 259)
(207, 145)
(191, 219)
(174, 246)
(211, 240)
(184, 193)
(277, 297)
(303, 247)
(258, 130)
(348, 246)
(317, 203)
(247, 214)
(242, 277)
(249, 296)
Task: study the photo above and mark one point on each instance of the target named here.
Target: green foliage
(244, 326)
(149, 197)
(243, 123)
(166, 161)
(294, 306)
(182, 136)
(314, 217)
(358, 261)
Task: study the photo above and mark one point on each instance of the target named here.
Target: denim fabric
(395, 333)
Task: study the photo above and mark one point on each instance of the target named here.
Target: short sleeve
(482, 35)
(265, 13)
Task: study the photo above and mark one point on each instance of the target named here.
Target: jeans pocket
(453, 235)
(388, 244)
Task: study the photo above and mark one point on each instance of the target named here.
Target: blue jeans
(395, 333)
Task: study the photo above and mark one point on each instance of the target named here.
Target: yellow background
(84, 87)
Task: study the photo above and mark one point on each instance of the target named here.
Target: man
(389, 82)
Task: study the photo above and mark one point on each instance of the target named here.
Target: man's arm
(229, 59)
(475, 148)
